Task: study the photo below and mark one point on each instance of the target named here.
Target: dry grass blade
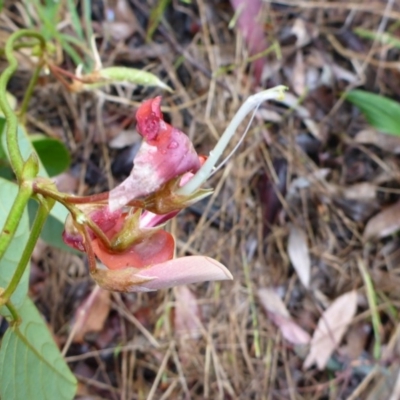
(384, 141)
(331, 327)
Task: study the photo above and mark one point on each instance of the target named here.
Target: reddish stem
(59, 71)
(89, 250)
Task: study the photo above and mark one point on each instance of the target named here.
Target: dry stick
(160, 372)
(131, 318)
(181, 374)
(81, 318)
(381, 29)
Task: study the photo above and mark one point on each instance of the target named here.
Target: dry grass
(288, 173)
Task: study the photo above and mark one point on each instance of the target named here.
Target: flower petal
(154, 249)
(166, 153)
(181, 271)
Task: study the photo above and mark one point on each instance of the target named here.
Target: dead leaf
(92, 314)
(363, 190)
(384, 223)
(268, 115)
(121, 21)
(280, 316)
(187, 314)
(384, 141)
(124, 138)
(302, 32)
(343, 74)
(330, 329)
(299, 254)
(356, 340)
(316, 177)
(252, 29)
(292, 101)
(298, 76)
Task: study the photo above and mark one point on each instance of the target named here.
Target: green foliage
(383, 37)
(52, 153)
(48, 12)
(75, 21)
(54, 226)
(381, 113)
(8, 192)
(31, 366)
(156, 15)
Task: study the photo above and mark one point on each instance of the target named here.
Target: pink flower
(126, 234)
(145, 264)
(166, 153)
(136, 254)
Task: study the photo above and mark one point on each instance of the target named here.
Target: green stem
(14, 217)
(372, 302)
(40, 219)
(14, 313)
(14, 152)
(19, 46)
(77, 214)
(29, 90)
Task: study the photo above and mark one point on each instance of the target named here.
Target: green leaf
(31, 366)
(382, 113)
(52, 153)
(8, 264)
(6, 172)
(156, 15)
(75, 21)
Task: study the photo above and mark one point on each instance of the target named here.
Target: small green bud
(31, 167)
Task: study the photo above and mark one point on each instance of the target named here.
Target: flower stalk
(252, 103)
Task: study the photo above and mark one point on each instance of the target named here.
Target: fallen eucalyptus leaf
(384, 223)
(280, 316)
(299, 254)
(330, 329)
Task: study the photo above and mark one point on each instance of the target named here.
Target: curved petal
(181, 271)
(165, 153)
(153, 249)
